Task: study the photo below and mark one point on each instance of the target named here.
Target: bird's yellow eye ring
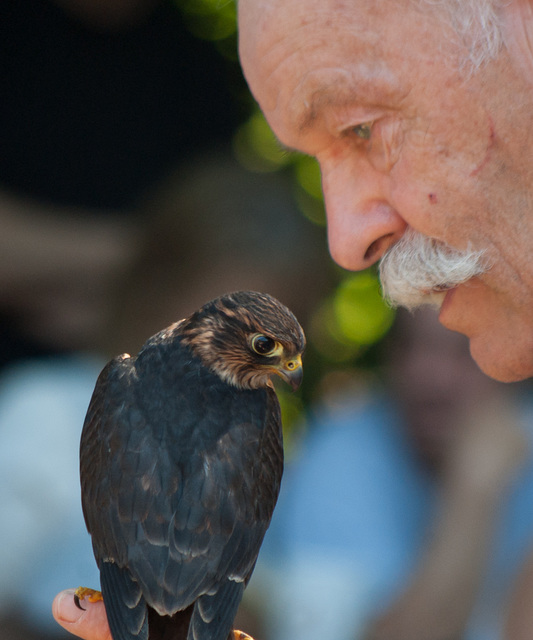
(265, 346)
(291, 364)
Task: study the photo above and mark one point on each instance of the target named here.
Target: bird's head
(245, 337)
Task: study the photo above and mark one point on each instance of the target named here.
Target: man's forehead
(263, 23)
(313, 33)
(323, 48)
(269, 25)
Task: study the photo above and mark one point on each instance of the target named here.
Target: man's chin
(499, 351)
(504, 365)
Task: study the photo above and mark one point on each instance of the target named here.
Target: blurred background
(137, 181)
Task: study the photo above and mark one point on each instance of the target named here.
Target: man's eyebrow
(309, 113)
(321, 98)
(311, 107)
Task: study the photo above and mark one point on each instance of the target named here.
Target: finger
(89, 624)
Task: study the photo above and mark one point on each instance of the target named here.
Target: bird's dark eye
(263, 345)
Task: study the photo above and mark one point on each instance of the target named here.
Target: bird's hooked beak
(291, 371)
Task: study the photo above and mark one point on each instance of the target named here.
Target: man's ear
(517, 32)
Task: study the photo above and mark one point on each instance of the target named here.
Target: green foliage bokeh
(353, 317)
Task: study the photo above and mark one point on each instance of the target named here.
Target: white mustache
(418, 270)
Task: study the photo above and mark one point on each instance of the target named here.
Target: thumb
(90, 624)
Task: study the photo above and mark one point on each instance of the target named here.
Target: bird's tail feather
(125, 606)
(213, 615)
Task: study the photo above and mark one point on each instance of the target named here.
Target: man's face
(377, 92)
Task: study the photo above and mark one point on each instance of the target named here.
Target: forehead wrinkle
(281, 49)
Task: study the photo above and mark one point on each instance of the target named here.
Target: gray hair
(477, 24)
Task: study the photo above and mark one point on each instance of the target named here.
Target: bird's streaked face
(247, 337)
(272, 357)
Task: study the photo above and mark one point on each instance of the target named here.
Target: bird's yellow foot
(240, 635)
(91, 594)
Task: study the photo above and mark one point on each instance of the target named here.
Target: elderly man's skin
(450, 152)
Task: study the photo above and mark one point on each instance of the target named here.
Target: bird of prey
(181, 461)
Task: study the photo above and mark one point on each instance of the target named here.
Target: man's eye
(363, 130)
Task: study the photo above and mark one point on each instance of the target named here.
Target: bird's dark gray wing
(180, 475)
(108, 424)
(105, 434)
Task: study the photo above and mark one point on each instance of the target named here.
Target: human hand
(89, 624)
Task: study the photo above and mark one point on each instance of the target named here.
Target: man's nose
(362, 223)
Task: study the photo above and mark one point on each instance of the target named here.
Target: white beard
(418, 270)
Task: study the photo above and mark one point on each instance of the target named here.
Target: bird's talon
(81, 593)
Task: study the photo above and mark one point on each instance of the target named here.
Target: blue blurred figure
(407, 514)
